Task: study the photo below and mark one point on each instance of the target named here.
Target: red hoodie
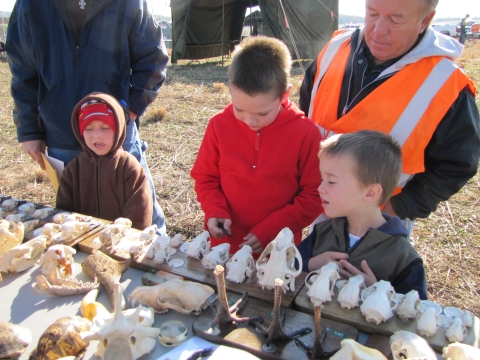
(262, 180)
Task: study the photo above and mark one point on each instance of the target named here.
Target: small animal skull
(378, 302)
(467, 318)
(321, 283)
(10, 204)
(408, 308)
(217, 256)
(457, 330)
(112, 234)
(73, 229)
(458, 351)
(60, 217)
(349, 295)
(176, 241)
(427, 322)
(27, 208)
(148, 234)
(200, 246)
(241, 265)
(18, 217)
(352, 350)
(30, 224)
(408, 345)
(43, 213)
(123, 221)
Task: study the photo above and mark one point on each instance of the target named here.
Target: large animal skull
(277, 261)
(218, 255)
(200, 246)
(57, 263)
(241, 265)
(321, 282)
(349, 295)
(408, 308)
(378, 302)
(182, 296)
(408, 345)
(125, 335)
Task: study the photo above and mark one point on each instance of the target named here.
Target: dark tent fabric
(197, 25)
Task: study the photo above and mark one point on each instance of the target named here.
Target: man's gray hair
(430, 5)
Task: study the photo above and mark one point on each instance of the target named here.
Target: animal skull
(123, 221)
(73, 229)
(458, 351)
(200, 246)
(427, 322)
(408, 308)
(43, 213)
(277, 261)
(148, 234)
(112, 234)
(321, 283)
(27, 208)
(349, 295)
(60, 217)
(457, 330)
(182, 296)
(24, 256)
(11, 234)
(18, 217)
(57, 263)
(124, 335)
(408, 345)
(30, 225)
(10, 204)
(176, 241)
(467, 318)
(50, 230)
(241, 265)
(352, 350)
(378, 302)
(218, 255)
(160, 250)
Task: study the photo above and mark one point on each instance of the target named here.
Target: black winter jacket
(120, 52)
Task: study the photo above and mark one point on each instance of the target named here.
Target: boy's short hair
(378, 157)
(261, 65)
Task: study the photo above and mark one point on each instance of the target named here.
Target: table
(20, 305)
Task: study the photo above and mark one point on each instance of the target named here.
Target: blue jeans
(137, 148)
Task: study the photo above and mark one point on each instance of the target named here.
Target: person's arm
(139, 202)
(306, 88)
(413, 278)
(451, 159)
(306, 205)
(206, 174)
(148, 60)
(24, 85)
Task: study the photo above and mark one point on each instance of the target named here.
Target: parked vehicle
(468, 27)
(444, 28)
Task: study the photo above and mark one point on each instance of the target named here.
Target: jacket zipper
(97, 185)
(77, 51)
(257, 146)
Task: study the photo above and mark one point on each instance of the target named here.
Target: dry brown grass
(173, 126)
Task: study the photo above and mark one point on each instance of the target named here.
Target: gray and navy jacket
(120, 52)
(387, 251)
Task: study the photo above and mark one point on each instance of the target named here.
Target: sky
(445, 8)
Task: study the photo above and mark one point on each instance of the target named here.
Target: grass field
(173, 126)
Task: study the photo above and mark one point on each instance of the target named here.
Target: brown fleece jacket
(109, 186)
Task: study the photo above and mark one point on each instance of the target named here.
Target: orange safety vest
(408, 106)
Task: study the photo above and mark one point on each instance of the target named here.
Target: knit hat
(95, 110)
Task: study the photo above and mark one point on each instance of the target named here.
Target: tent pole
(251, 17)
(223, 26)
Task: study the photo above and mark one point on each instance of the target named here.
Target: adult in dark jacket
(104, 181)
(383, 56)
(60, 51)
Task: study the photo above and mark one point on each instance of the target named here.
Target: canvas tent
(197, 25)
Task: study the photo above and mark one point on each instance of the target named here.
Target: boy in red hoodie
(256, 171)
(104, 180)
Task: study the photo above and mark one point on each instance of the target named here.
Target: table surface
(20, 305)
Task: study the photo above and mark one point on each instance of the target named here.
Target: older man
(397, 76)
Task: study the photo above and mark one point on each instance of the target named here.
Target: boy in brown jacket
(104, 181)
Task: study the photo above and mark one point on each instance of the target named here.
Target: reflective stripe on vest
(409, 105)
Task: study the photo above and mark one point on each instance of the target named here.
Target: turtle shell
(62, 339)
(14, 339)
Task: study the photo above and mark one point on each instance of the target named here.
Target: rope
(291, 35)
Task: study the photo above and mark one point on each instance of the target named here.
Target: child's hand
(318, 261)
(347, 270)
(254, 243)
(214, 227)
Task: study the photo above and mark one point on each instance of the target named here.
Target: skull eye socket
(133, 340)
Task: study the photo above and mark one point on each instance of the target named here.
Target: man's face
(393, 26)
